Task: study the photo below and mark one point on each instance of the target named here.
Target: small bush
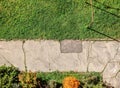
(8, 76)
(28, 79)
(52, 84)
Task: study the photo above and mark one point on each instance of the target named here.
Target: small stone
(71, 46)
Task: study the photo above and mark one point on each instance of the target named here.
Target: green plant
(8, 76)
(52, 84)
(28, 79)
(87, 79)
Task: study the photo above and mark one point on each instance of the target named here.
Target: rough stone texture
(99, 56)
(83, 57)
(111, 74)
(71, 46)
(11, 53)
(79, 56)
(40, 53)
(112, 69)
(101, 53)
(65, 62)
(71, 61)
(117, 80)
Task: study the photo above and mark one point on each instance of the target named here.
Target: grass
(58, 19)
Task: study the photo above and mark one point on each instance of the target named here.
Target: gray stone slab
(71, 46)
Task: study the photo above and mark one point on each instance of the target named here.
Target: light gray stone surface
(11, 53)
(39, 56)
(117, 79)
(111, 70)
(99, 56)
(70, 61)
(111, 74)
(46, 56)
(65, 62)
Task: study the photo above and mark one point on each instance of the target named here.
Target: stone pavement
(67, 55)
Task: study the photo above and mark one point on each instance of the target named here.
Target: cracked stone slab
(100, 54)
(111, 75)
(11, 53)
(117, 56)
(71, 46)
(4, 61)
(113, 81)
(112, 68)
(118, 81)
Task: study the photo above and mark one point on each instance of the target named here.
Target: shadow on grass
(103, 10)
(106, 6)
(102, 34)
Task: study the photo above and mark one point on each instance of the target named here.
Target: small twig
(24, 56)
(92, 13)
(103, 10)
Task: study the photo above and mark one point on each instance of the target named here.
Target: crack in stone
(78, 54)
(53, 61)
(105, 67)
(117, 50)
(88, 56)
(117, 74)
(23, 49)
(7, 60)
(99, 59)
(110, 61)
(78, 57)
(40, 42)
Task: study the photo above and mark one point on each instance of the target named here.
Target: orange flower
(70, 82)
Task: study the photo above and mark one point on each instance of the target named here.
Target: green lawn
(58, 19)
